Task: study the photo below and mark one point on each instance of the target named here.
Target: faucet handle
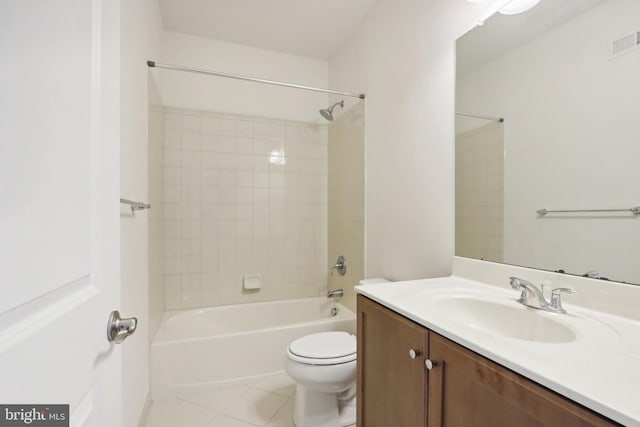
(518, 283)
(556, 301)
(557, 291)
(339, 266)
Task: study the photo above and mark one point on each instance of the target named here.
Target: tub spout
(335, 293)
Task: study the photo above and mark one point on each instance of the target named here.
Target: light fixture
(518, 6)
(512, 7)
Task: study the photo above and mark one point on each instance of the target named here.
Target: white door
(59, 208)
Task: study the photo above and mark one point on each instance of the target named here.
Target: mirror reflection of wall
(571, 138)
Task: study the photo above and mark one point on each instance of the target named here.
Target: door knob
(118, 329)
(413, 353)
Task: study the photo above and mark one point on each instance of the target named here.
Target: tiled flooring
(265, 403)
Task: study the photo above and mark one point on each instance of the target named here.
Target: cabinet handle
(430, 364)
(414, 353)
(435, 413)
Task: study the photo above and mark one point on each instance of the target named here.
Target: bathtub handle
(340, 266)
(118, 329)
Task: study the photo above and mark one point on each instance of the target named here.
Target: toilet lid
(324, 345)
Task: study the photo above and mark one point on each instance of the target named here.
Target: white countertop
(599, 369)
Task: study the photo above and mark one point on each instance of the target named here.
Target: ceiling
(503, 33)
(315, 29)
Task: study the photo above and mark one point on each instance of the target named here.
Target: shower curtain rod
(154, 64)
(478, 116)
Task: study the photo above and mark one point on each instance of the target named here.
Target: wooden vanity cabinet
(462, 389)
(391, 385)
(466, 389)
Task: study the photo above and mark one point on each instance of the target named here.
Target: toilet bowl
(323, 366)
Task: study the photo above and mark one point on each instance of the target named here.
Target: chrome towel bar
(135, 206)
(634, 210)
(480, 116)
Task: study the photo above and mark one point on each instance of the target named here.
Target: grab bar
(135, 206)
(634, 210)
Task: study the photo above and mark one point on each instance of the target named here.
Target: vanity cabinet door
(391, 378)
(465, 389)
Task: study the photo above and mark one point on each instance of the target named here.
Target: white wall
(571, 142)
(207, 93)
(346, 200)
(155, 216)
(402, 56)
(141, 37)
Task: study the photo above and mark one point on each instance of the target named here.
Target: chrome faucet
(533, 296)
(335, 293)
(555, 304)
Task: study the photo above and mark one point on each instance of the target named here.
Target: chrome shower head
(327, 113)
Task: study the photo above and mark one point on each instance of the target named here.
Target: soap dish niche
(252, 282)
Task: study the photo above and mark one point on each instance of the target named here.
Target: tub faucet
(335, 293)
(533, 296)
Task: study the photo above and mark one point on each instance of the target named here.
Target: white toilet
(324, 367)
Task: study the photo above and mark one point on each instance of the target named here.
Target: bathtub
(200, 349)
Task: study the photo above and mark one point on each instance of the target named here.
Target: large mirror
(565, 78)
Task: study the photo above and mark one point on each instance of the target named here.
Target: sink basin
(515, 321)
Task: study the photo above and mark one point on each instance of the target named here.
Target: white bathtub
(199, 349)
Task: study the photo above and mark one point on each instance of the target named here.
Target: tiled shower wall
(243, 196)
(480, 193)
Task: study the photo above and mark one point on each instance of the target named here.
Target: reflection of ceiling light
(277, 157)
(518, 6)
(513, 7)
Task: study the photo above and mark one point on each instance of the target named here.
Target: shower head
(327, 113)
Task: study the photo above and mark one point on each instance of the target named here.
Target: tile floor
(263, 403)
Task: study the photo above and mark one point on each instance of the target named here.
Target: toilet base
(315, 409)
(347, 412)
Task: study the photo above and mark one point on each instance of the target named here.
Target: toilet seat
(324, 348)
